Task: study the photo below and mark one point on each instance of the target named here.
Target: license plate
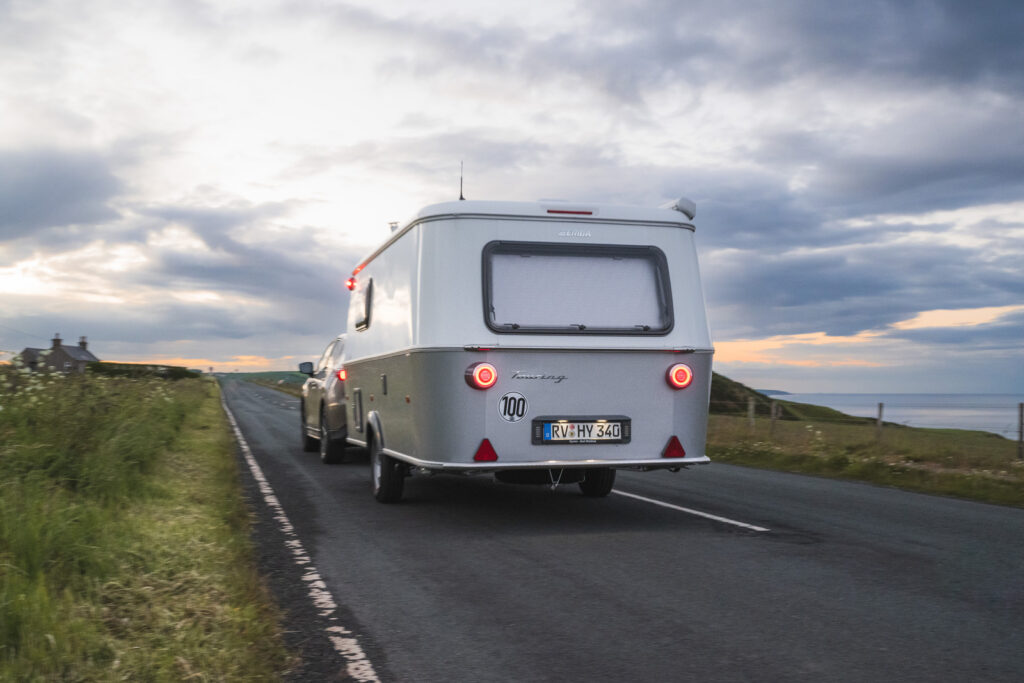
(574, 430)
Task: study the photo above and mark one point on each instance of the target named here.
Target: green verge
(124, 537)
(966, 464)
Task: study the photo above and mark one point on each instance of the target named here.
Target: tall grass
(99, 514)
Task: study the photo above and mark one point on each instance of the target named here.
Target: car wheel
(309, 444)
(331, 452)
(597, 482)
(388, 475)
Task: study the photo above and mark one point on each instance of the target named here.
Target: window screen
(576, 289)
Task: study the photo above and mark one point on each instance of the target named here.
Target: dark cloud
(629, 49)
(274, 267)
(843, 292)
(48, 188)
(929, 158)
(1005, 333)
(758, 45)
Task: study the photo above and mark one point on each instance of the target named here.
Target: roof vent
(684, 206)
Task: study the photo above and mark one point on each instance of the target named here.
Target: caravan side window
(542, 288)
(362, 304)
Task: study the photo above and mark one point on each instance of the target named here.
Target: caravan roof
(677, 213)
(549, 209)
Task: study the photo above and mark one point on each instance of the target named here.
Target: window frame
(362, 321)
(655, 255)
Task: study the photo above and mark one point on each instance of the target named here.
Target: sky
(190, 181)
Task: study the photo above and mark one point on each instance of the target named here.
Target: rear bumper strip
(657, 463)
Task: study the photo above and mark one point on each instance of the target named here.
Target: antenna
(461, 198)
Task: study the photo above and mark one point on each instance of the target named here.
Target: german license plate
(573, 430)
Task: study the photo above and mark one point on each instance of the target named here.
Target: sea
(997, 413)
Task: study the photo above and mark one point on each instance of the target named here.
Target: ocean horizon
(996, 413)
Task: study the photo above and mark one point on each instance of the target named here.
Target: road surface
(718, 573)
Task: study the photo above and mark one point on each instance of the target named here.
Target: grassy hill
(729, 397)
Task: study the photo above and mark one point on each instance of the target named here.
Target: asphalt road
(471, 580)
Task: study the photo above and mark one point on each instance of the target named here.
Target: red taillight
(342, 374)
(350, 283)
(679, 376)
(481, 375)
(673, 449)
(486, 452)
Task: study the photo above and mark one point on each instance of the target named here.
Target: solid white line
(689, 511)
(359, 666)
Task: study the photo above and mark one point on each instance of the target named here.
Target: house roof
(30, 354)
(78, 353)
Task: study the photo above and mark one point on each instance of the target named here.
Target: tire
(598, 482)
(309, 444)
(388, 475)
(331, 452)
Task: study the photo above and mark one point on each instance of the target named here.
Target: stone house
(59, 357)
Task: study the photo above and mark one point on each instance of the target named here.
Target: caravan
(538, 342)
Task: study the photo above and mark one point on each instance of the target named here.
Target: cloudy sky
(190, 181)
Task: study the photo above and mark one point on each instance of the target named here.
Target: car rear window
(542, 288)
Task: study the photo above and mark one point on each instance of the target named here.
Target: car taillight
(673, 449)
(481, 375)
(350, 283)
(342, 374)
(679, 376)
(486, 452)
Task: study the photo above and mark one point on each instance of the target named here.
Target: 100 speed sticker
(512, 407)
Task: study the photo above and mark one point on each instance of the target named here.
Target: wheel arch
(374, 429)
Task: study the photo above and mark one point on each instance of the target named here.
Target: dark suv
(323, 404)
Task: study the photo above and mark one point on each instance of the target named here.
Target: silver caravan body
(573, 314)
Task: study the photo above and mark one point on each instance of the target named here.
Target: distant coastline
(996, 413)
(772, 392)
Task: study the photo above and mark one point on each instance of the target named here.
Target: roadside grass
(124, 545)
(968, 464)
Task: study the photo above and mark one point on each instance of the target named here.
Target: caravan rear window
(542, 288)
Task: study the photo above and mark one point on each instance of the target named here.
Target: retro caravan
(539, 342)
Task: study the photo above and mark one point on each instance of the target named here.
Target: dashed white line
(691, 511)
(358, 664)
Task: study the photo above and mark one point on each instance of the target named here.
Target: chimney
(56, 340)
(82, 343)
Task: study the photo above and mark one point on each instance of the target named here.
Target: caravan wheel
(597, 482)
(388, 475)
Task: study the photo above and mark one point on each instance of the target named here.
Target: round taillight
(350, 283)
(481, 375)
(342, 374)
(679, 376)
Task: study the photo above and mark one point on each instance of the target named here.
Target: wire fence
(986, 415)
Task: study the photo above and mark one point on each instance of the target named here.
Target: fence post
(775, 416)
(750, 412)
(878, 423)
(1020, 431)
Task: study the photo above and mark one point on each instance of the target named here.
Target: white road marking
(359, 666)
(690, 511)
